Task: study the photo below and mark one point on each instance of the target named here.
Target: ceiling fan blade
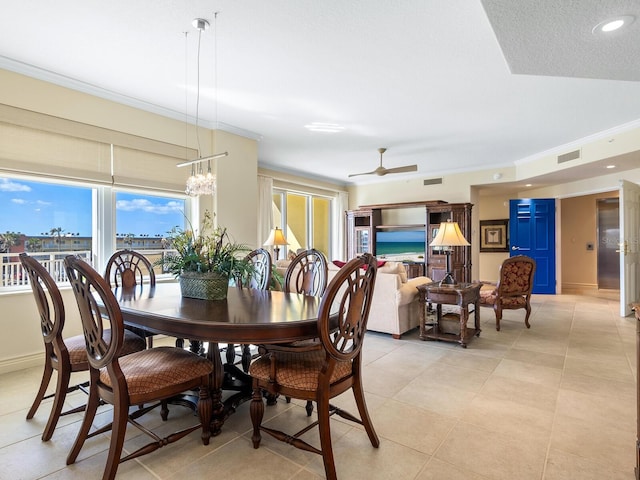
(406, 168)
(363, 173)
(382, 171)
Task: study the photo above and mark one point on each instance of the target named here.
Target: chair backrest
(128, 268)
(307, 273)
(48, 300)
(516, 276)
(344, 309)
(88, 286)
(261, 276)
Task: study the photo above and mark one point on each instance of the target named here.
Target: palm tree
(35, 244)
(8, 240)
(57, 232)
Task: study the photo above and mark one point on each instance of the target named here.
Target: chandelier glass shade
(199, 183)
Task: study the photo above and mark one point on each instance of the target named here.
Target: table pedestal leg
(217, 419)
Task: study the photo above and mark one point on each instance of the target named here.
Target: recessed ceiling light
(613, 24)
(527, 185)
(611, 166)
(324, 127)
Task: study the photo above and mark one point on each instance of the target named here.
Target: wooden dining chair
(146, 378)
(65, 356)
(321, 374)
(128, 269)
(307, 273)
(259, 280)
(513, 290)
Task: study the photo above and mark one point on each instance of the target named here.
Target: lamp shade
(449, 235)
(276, 237)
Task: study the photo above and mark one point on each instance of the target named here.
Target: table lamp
(449, 235)
(276, 238)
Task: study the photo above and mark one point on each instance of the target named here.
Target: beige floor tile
(497, 456)
(444, 374)
(412, 426)
(467, 359)
(356, 458)
(525, 393)
(565, 466)
(598, 410)
(438, 470)
(597, 385)
(510, 417)
(536, 358)
(596, 441)
(546, 376)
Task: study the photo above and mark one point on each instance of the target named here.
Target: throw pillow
(340, 264)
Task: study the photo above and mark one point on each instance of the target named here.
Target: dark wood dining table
(247, 316)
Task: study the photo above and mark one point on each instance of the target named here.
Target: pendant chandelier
(200, 183)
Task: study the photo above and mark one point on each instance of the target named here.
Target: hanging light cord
(198, 98)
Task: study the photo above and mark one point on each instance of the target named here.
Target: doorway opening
(608, 225)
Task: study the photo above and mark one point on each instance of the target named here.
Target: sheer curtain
(339, 241)
(265, 208)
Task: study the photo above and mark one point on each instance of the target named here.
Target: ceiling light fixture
(610, 166)
(613, 24)
(324, 127)
(200, 183)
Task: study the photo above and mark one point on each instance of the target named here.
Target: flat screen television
(400, 242)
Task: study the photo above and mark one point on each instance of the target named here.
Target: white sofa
(394, 309)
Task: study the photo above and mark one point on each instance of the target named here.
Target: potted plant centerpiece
(206, 260)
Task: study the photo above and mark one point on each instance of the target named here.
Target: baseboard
(27, 361)
(20, 363)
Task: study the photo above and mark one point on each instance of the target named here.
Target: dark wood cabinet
(436, 259)
(361, 226)
(363, 223)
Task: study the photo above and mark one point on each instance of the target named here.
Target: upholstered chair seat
(513, 290)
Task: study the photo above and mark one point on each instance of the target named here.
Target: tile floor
(555, 402)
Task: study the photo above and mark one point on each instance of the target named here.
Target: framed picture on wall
(494, 235)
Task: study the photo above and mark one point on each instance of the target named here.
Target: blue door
(532, 232)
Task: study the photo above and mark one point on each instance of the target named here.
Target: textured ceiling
(450, 86)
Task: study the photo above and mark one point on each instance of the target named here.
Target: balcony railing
(15, 278)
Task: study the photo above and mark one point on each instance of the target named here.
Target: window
(47, 220)
(52, 220)
(143, 222)
(305, 219)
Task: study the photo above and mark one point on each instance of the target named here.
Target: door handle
(515, 248)
(624, 247)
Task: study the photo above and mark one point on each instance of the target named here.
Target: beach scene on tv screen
(402, 243)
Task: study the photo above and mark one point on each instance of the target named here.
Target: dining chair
(65, 356)
(126, 269)
(259, 280)
(513, 290)
(306, 274)
(146, 379)
(320, 374)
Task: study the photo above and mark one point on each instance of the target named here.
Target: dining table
(246, 316)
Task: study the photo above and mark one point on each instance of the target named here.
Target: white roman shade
(25, 150)
(143, 169)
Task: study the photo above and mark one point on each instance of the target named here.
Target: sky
(34, 208)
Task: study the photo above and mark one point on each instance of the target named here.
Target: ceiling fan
(380, 171)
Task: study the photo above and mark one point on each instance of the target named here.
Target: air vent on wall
(569, 156)
(433, 181)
